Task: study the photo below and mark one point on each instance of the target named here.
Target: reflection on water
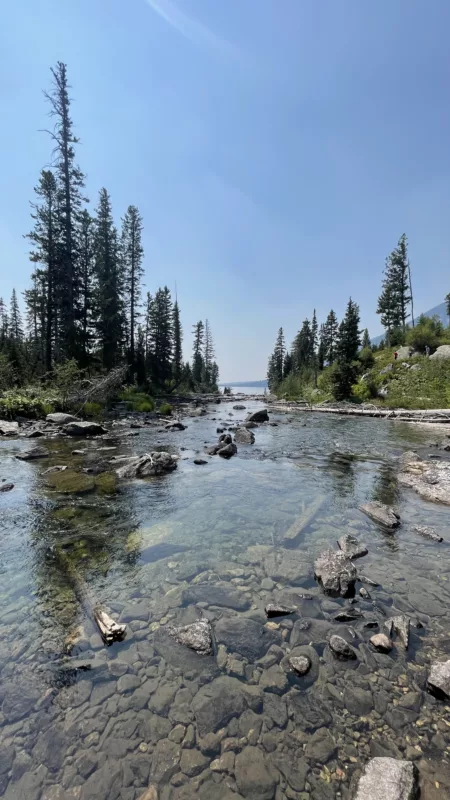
(108, 722)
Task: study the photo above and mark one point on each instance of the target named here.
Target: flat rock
(352, 547)
(244, 436)
(79, 428)
(336, 573)
(8, 428)
(381, 513)
(245, 636)
(321, 746)
(442, 352)
(258, 416)
(253, 778)
(59, 418)
(285, 565)
(439, 679)
(381, 642)
(238, 408)
(70, 482)
(277, 610)
(300, 664)
(216, 703)
(165, 760)
(18, 702)
(215, 595)
(34, 453)
(349, 614)
(341, 648)
(388, 779)
(200, 461)
(401, 625)
(147, 465)
(197, 636)
(427, 532)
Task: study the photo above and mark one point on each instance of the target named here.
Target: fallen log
(110, 630)
(305, 519)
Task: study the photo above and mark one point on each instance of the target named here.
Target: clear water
(131, 720)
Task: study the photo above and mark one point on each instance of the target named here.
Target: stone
(341, 648)
(80, 428)
(245, 636)
(70, 482)
(364, 593)
(6, 487)
(275, 709)
(200, 461)
(401, 625)
(128, 683)
(165, 760)
(8, 428)
(381, 642)
(388, 779)
(28, 787)
(175, 426)
(216, 703)
(358, 702)
(274, 679)
(223, 764)
(258, 416)
(238, 407)
(336, 573)
(18, 701)
(381, 513)
(427, 532)
(105, 782)
(227, 451)
(439, 679)
(33, 454)
(277, 610)
(50, 748)
(59, 418)
(443, 351)
(150, 794)
(321, 746)
(193, 762)
(308, 711)
(253, 778)
(244, 436)
(349, 614)
(300, 664)
(218, 594)
(197, 636)
(351, 546)
(147, 465)
(6, 758)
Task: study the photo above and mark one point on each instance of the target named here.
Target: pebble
(381, 642)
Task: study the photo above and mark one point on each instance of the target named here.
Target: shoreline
(424, 416)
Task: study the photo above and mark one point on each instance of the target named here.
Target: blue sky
(277, 149)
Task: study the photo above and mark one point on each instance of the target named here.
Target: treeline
(85, 300)
(331, 357)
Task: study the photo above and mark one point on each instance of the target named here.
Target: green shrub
(92, 409)
(143, 405)
(428, 332)
(139, 401)
(361, 392)
(166, 409)
(366, 358)
(29, 401)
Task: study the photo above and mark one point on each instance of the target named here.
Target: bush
(166, 409)
(139, 401)
(367, 358)
(144, 405)
(92, 409)
(361, 392)
(428, 332)
(31, 402)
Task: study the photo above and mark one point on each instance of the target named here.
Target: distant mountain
(245, 383)
(437, 311)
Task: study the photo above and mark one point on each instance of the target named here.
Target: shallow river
(147, 718)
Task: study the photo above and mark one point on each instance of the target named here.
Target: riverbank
(437, 415)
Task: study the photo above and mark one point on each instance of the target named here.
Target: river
(80, 720)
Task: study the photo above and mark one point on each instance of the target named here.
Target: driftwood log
(110, 630)
(305, 519)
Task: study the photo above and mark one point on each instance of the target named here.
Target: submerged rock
(401, 625)
(336, 573)
(439, 679)
(8, 428)
(59, 418)
(148, 464)
(341, 648)
(258, 416)
(300, 664)
(352, 547)
(244, 436)
(381, 513)
(175, 426)
(56, 468)
(381, 642)
(253, 778)
(6, 487)
(79, 428)
(245, 636)
(349, 614)
(216, 703)
(428, 533)
(219, 594)
(30, 455)
(238, 408)
(197, 636)
(277, 610)
(432, 482)
(70, 482)
(106, 482)
(388, 779)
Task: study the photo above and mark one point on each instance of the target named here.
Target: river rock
(300, 664)
(321, 746)
(442, 352)
(245, 636)
(34, 453)
(146, 465)
(8, 428)
(258, 416)
(244, 436)
(216, 703)
(428, 533)
(79, 428)
(59, 418)
(56, 468)
(439, 679)
(381, 642)
(6, 487)
(253, 778)
(165, 759)
(176, 425)
(70, 482)
(381, 513)
(197, 636)
(341, 648)
(219, 594)
(200, 461)
(336, 573)
(349, 614)
(358, 702)
(388, 779)
(277, 610)
(238, 408)
(401, 625)
(352, 547)
(18, 701)
(227, 451)
(432, 482)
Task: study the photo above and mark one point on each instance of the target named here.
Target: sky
(277, 149)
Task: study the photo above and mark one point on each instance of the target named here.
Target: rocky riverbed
(262, 658)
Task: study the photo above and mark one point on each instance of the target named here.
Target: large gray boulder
(388, 779)
(258, 416)
(442, 352)
(59, 418)
(80, 428)
(381, 513)
(148, 464)
(244, 436)
(8, 428)
(439, 679)
(336, 573)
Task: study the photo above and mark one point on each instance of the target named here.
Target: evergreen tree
(70, 181)
(197, 355)
(287, 364)
(140, 357)
(314, 344)
(365, 339)
(303, 347)
(279, 353)
(388, 307)
(214, 376)
(15, 320)
(272, 373)
(330, 337)
(87, 276)
(161, 336)
(4, 325)
(109, 285)
(132, 254)
(400, 276)
(349, 340)
(208, 354)
(177, 343)
(322, 349)
(447, 306)
(148, 307)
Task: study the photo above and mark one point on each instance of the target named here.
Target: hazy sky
(277, 149)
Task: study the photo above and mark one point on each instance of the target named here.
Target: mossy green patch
(70, 482)
(106, 483)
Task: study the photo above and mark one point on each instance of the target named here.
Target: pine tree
(208, 354)
(287, 364)
(214, 379)
(161, 336)
(388, 307)
(109, 285)
(322, 349)
(15, 320)
(132, 254)
(272, 373)
(302, 347)
(314, 344)
(87, 275)
(177, 343)
(70, 181)
(365, 339)
(400, 276)
(447, 306)
(140, 357)
(4, 325)
(279, 353)
(349, 340)
(197, 355)
(148, 307)
(330, 337)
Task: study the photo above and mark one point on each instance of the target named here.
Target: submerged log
(305, 519)
(110, 630)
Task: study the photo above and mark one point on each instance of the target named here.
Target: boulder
(388, 779)
(175, 426)
(381, 513)
(428, 533)
(401, 625)
(6, 487)
(254, 779)
(442, 352)
(8, 428)
(381, 642)
(59, 418)
(244, 436)
(258, 416)
(148, 464)
(277, 610)
(197, 636)
(387, 369)
(341, 648)
(336, 573)
(245, 636)
(70, 482)
(404, 352)
(84, 429)
(34, 453)
(238, 408)
(439, 679)
(352, 547)
(219, 594)
(216, 703)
